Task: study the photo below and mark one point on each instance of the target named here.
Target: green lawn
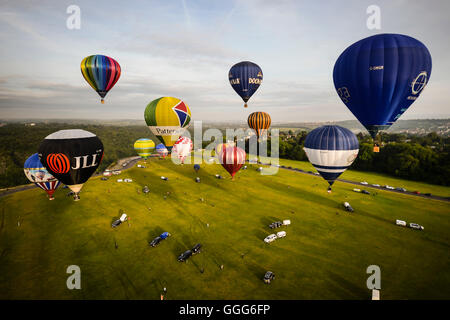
(324, 255)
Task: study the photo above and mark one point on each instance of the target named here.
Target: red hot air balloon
(232, 159)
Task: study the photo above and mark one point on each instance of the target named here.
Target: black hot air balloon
(71, 156)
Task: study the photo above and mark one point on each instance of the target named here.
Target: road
(370, 186)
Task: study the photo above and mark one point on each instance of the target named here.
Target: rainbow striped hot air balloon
(167, 118)
(144, 147)
(36, 173)
(101, 72)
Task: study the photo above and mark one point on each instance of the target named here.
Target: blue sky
(185, 49)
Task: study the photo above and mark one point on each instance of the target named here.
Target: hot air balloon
(71, 156)
(144, 147)
(36, 173)
(260, 122)
(101, 72)
(167, 118)
(232, 159)
(196, 167)
(182, 148)
(379, 77)
(245, 77)
(162, 150)
(331, 150)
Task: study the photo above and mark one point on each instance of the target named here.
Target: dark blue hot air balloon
(331, 150)
(245, 78)
(379, 77)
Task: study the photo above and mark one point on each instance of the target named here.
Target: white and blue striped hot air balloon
(331, 150)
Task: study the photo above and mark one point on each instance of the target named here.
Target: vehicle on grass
(197, 179)
(270, 238)
(401, 189)
(400, 223)
(119, 180)
(184, 256)
(218, 176)
(364, 183)
(164, 178)
(365, 192)
(155, 241)
(416, 226)
(389, 187)
(145, 189)
(103, 178)
(357, 190)
(269, 276)
(116, 172)
(281, 234)
(427, 194)
(286, 222)
(127, 180)
(275, 224)
(119, 221)
(196, 248)
(316, 173)
(164, 235)
(348, 207)
(107, 173)
(376, 185)
(416, 192)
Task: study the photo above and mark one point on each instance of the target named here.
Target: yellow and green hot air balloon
(144, 147)
(167, 118)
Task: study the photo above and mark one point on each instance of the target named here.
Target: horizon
(186, 49)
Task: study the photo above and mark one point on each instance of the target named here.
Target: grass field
(324, 255)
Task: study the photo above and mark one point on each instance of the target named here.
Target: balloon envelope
(167, 119)
(232, 159)
(331, 150)
(71, 156)
(259, 121)
(101, 72)
(245, 77)
(182, 148)
(36, 173)
(379, 77)
(144, 147)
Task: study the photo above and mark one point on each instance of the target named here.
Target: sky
(184, 49)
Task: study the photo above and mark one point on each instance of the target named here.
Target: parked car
(316, 173)
(400, 223)
(357, 190)
(269, 276)
(348, 207)
(155, 241)
(281, 234)
(364, 183)
(119, 180)
(184, 256)
(376, 185)
(127, 180)
(164, 235)
(365, 192)
(427, 194)
(164, 178)
(218, 176)
(416, 192)
(275, 224)
(119, 221)
(286, 222)
(104, 178)
(196, 248)
(416, 226)
(389, 187)
(270, 238)
(401, 189)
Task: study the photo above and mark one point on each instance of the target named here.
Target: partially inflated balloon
(232, 159)
(167, 119)
(144, 147)
(379, 77)
(162, 150)
(182, 148)
(36, 173)
(72, 156)
(245, 77)
(259, 121)
(101, 72)
(331, 150)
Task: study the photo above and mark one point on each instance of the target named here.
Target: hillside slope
(324, 255)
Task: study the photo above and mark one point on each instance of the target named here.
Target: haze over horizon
(185, 49)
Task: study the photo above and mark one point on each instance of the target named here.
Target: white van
(119, 180)
(281, 234)
(400, 223)
(270, 238)
(286, 222)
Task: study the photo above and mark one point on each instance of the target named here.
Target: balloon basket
(245, 105)
(76, 197)
(376, 149)
(102, 101)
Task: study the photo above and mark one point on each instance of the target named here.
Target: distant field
(324, 255)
